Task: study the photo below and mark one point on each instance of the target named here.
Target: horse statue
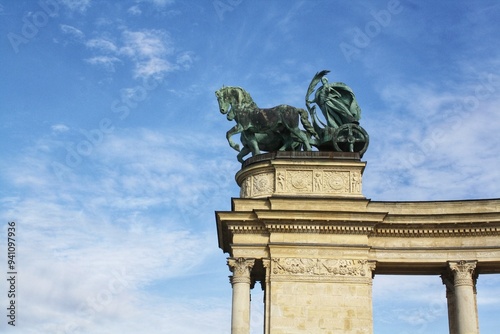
(263, 128)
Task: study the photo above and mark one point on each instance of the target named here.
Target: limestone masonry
(303, 228)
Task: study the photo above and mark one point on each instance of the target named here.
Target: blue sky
(114, 155)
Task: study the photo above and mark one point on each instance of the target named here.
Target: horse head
(233, 101)
(223, 99)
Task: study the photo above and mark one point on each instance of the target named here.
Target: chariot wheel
(350, 137)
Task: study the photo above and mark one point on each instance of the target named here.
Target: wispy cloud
(134, 10)
(59, 128)
(160, 3)
(108, 62)
(76, 5)
(146, 43)
(148, 51)
(75, 33)
(102, 44)
(441, 134)
(87, 241)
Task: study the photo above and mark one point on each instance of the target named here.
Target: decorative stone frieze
(321, 267)
(306, 176)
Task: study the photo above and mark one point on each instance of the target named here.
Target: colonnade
(460, 281)
(303, 228)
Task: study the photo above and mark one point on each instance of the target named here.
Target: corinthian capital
(463, 272)
(240, 267)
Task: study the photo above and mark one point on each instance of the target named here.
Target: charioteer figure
(336, 101)
(342, 114)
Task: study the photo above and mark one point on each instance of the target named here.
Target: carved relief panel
(302, 179)
(306, 267)
(318, 181)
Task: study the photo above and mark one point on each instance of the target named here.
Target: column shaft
(450, 298)
(267, 295)
(465, 301)
(240, 317)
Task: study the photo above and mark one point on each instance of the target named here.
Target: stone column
(465, 301)
(450, 298)
(240, 318)
(267, 293)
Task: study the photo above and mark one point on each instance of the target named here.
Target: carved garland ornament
(257, 185)
(321, 267)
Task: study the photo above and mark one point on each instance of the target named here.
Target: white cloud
(152, 66)
(105, 61)
(102, 44)
(185, 60)
(146, 43)
(58, 128)
(146, 49)
(134, 10)
(96, 243)
(160, 3)
(76, 5)
(431, 136)
(72, 31)
(149, 50)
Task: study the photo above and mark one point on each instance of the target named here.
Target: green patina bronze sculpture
(342, 114)
(277, 128)
(264, 129)
(336, 101)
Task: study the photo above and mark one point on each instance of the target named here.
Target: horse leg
(244, 151)
(234, 130)
(287, 142)
(302, 136)
(252, 143)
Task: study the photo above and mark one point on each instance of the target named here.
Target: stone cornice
(320, 217)
(443, 218)
(437, 230)
(251, 228)
(372, 224)
(332, 228)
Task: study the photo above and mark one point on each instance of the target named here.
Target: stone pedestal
(299, 174)
(320, 295)
(314, 263)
